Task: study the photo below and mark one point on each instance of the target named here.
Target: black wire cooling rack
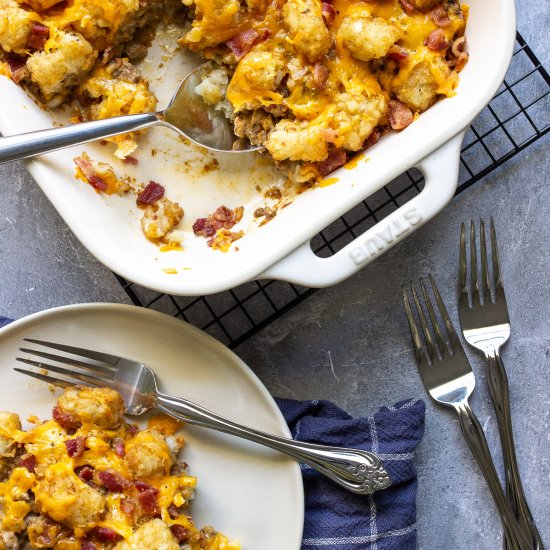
(518, 115)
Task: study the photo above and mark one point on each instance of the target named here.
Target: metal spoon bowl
(187, 114)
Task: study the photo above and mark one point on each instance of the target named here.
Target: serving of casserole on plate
(88, 480)
(99, 479)
(312, 82)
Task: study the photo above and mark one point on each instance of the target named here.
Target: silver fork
(359, 471)
(449, 379)
(486, 326)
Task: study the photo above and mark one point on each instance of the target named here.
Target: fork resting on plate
(356, 470)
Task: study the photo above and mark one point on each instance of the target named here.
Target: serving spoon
(187, 114)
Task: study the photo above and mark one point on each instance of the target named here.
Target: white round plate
(246, 491)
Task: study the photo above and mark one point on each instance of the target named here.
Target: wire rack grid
(517, 116)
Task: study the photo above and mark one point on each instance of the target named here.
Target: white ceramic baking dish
(109, 226)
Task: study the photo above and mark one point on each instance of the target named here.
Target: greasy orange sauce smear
(328, 181)
(164, 424)
(170, 270)
(170, 246)
(350, 165)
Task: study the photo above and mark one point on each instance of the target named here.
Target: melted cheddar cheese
(85, 488)
(311, 99)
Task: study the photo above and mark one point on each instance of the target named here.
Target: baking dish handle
(302, 266)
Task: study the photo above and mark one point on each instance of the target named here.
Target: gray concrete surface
(350, 343)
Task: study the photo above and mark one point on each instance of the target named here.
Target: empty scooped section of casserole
(312, 80)
(88, 480)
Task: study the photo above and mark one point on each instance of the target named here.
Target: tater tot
(153, 534)
(9, 422)
(66, 59)
(352, 117)
(305, 23)
(101, 406)
(367, 37)
(148, 455)
(297, 140)
(160, 218)
(258, 72)
(67, 499)
(15, 25)
(419, 90)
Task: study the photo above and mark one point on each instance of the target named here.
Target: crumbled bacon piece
(133, 429)
(27, 461)
(130, 160)
(458, 57)
(320, 75)
(436, 41)
(85, 473)
(64, 419)
(113, 481)
(181, 534)
(75, 447)
(440, 16)
(373, 138)
(400, 115)
(152, 193)
(242, 43)
(107, 535)
(18, 67)
(397, 53)
(222, 218)
(203, 228)
(38, 34)
(94, 179)
(408, 8)
(173, 511)
(119, 447)
(328, 13)
(335, 159)
(141, 486)
(147, 498)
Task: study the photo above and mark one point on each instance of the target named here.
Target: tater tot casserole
(311, 81)
(87, 480)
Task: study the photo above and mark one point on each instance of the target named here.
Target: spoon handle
(358, 471)
(44, 141)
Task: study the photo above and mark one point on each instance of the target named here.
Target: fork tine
(446, 319)
(44, 378)
(462, 264)
(415, 334)
(92, 380)
(432, 349)
(497, 277)
(109, 371)
(433, 318)
(484, 267)
(474, 288)
(88, 353)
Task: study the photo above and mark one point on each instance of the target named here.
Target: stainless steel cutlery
(486, 327)
(449, 379)
(356, 470)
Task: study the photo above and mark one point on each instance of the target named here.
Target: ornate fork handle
(358, 471)
(498, 386)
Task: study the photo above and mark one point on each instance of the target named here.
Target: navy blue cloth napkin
(336, 519)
